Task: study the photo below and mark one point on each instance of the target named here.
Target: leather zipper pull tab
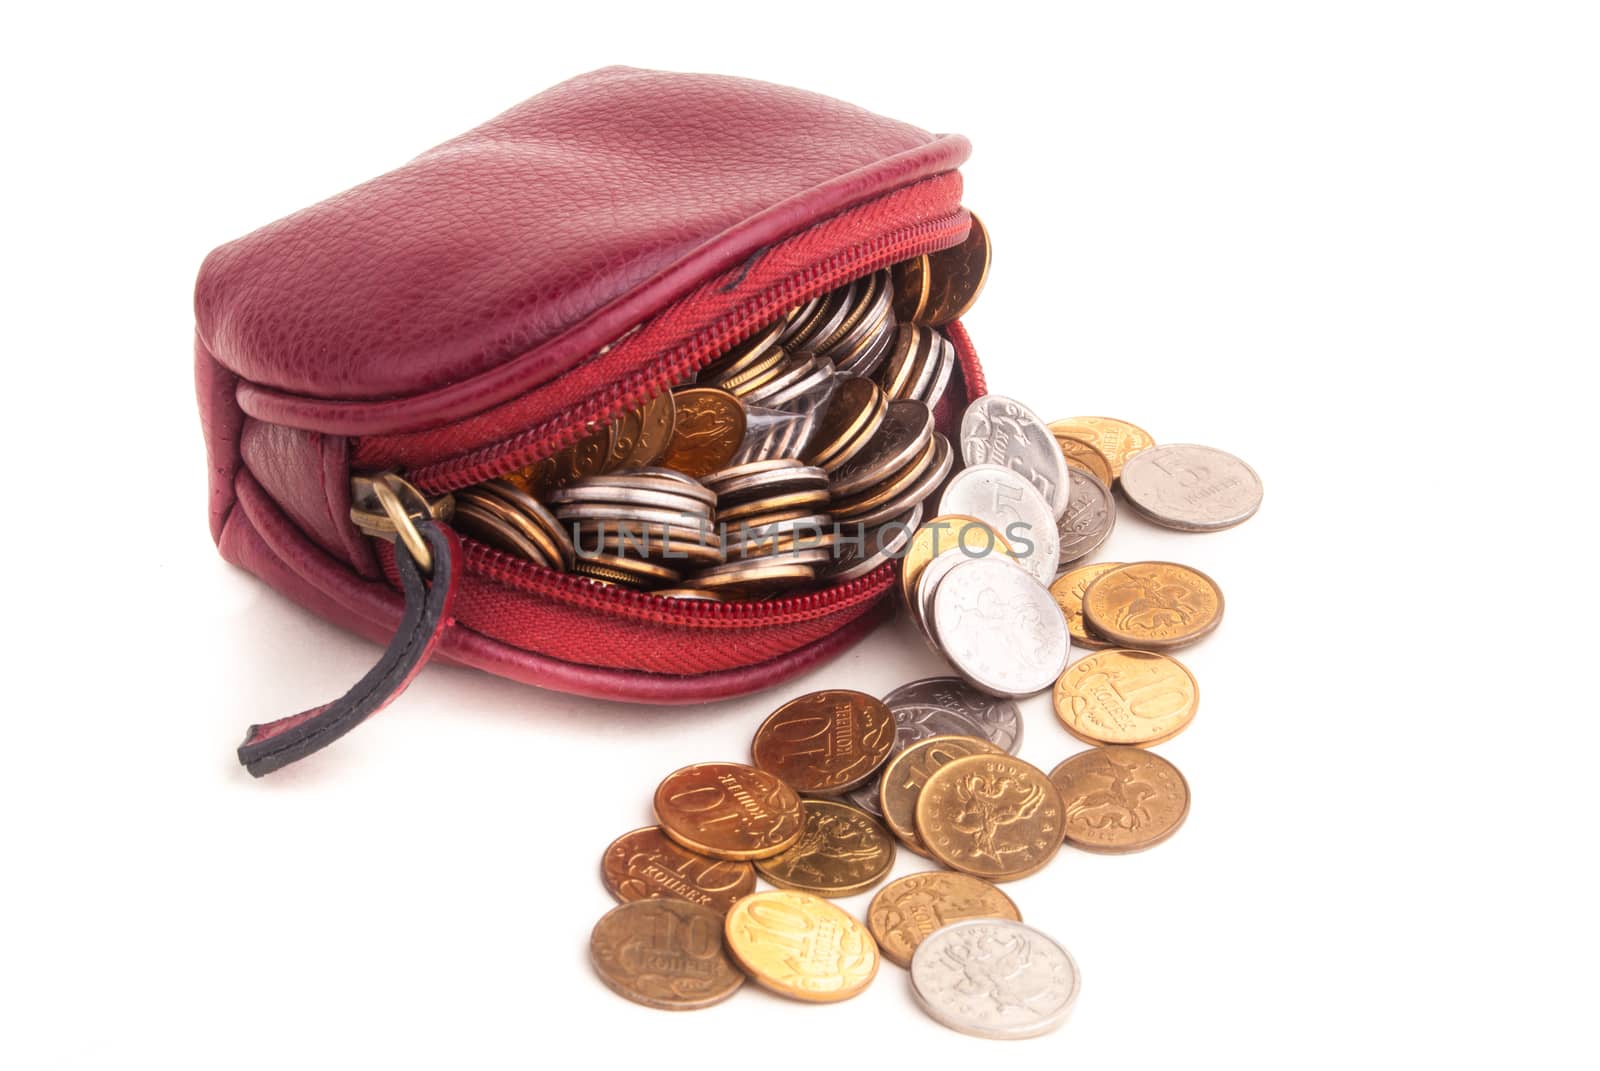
(428, 556)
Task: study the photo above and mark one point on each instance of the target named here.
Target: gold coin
(841, 852)
(656, 423)
(1116, 439)
(664, 954)
(908, 771)
(1085, 455)
(1154, 606)
(951, 531)
(910, 908)
(707, 431)
(848, 415)
(825, 743)
(1068, 592)
(646, 864)
(754, 375)
(804, 501)
(623, 570)
(586, 457)
(956, 276)
(911, 285)
(991, 816)
(1120, 799)
(756, 580)
(1131, 698)
(799, 945)
(728, 811)
(754, 348)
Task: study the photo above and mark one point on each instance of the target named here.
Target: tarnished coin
(861, 549)
(906, 430)
(926, 481)
(956, 277)
(1068, 592)
(825, 743)
(1089, 518)
(908, 909)
(664, 954)
(991, 816)
(707, 430)
(647, 864)
(911, 285)
(972, 537)
(483, 524)
(994, 979)
(799, 945)
(1081, 454)
(1116, 439)
(841, 852)
(531, 507)
(1003, 431)
(1000, 628)
(908, 771)
(1012, 507)
(999, 720)
(912, 722)
(1191, 488)
(1156, 606)
(1120, 799)
(854, 414)
(1130, 698)
(728, 811)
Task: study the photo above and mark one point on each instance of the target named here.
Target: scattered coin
(1156, 606)
(664, 954)
(1116, 439)
(1120, 799)
(1089, 518)
(1134, 698)
(908, 771)
(841, 852)
(908, 909)
(1013, 508)
(799, 945)
(991, 816)
(972, 537)
(956, 277)
(647, 864)
(708, 429)
(1000, 629)
(1081, 454)
(913, 721)
(1068, 592)
(1191, 488)
(1004, 432)
(998, 720)
(728, 811)
(826, 742)
(586, 457)
(994, 979)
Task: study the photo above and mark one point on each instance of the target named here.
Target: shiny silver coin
(599, 511)
(927, 587)
(867, 362)
(912, 722)
(643, 480)
(861, 550)
(813, 385)
(719, 479)
(941, 374)
(994, 978)
(907, 426)
(801, 322)
(1089, 518)
(792, 372)
(1002, 431)
(627, 496)
(1011, 506)
(1000, 628)
(999, 719)
(773, 481)
(835, 308)
(872, 302)
(922, 375)
(1191, 488)
(924, 485)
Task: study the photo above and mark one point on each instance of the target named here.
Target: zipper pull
(428, 555)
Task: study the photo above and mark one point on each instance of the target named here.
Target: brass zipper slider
(385, 505)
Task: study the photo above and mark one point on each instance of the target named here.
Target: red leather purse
(495, 299)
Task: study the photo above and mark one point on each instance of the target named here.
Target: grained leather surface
(308, 474)
(498, 259)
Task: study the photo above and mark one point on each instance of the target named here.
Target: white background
(1354, 243)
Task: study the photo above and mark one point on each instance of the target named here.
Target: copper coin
(525, 503)
(909, 342)
(991, 816)
(911, 284)
(485, 501)
(647, 864)
(742, 354)
(906, 430)
(908, 771)
(485, 526)
(756, 579)
(1154, 606)
(798, 945)
(1131, 698)
(1120, 799)
(825, 743)
(632, 570)
(956, 276)
(707, 431)
(792, 500)
(842, 852)
(910, 908)
(586, 457)
(728, 811)
(1068, 592)
(892, 485)
(657, 420)
(849, 413)
(664, 954)
(1085, 455)
(1116, 439)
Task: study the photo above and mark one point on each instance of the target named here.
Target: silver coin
(1192, 488)
(805, 389)
(994, 978)
(1000, 628)
(775, 481)
(912, 722)
(928, 586)
(646, 480)
(587, 511)
(1013, 507)
(627, 496)
(1000, 719)
(811, 523)
(907, 426)
(792, 372)
(836, 308)
(941, 374)
(872, 355)
(717, 480)
(1088, 520)
(1002, 431)
(853, 559)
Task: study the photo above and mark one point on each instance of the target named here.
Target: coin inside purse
(796, 460)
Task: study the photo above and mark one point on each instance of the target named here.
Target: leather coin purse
(494, 301)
